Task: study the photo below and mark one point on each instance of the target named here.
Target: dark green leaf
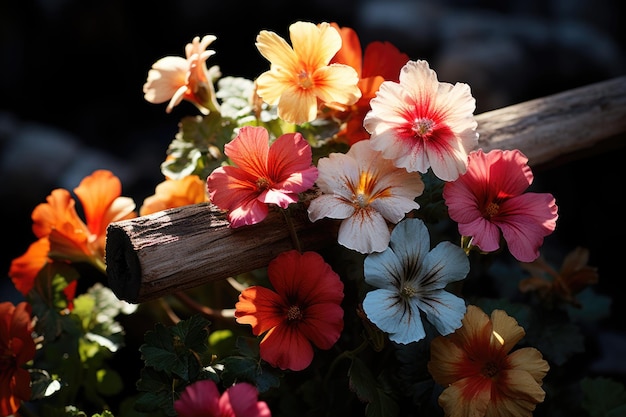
(603, 397)
(364, 384)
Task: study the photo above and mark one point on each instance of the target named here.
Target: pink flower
(202, 398)
(304, 310)
(263, 174)
(176, 79)
(365, 191)
(421, 122)
(489, 201)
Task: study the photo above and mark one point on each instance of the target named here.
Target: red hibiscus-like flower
(304, 310)
(16, 348)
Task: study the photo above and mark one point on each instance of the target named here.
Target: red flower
(305, 309)
(202, 398)
(489, 201)
(16, 348)
(381, 61)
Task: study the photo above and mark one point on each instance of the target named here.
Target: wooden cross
(176, 249)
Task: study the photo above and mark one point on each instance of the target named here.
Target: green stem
(292, 230)
(347, 354)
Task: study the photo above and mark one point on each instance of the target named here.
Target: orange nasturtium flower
(300, 79)
(381, 61)
(68, 237)
(303, 310)
(175, 193)
(16, 349)
(481, 376)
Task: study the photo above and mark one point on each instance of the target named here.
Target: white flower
(421, 122)
(410, 277)
(366, 191)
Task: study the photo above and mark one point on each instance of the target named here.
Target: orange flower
(304, 310)
(382, 61)
(552, 286)
(175, 193)
(480, 376)
(69, 238)
(301, 78)
(16, 348)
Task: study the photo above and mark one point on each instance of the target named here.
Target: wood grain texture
(176, 249)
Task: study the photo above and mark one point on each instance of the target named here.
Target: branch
(181, 248)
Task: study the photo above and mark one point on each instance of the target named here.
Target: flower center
(408, 292)
(490, 369)
(304, 80)
(492, 209)
(294, 313)
(423, 126)
(363, 193)
(262, 184)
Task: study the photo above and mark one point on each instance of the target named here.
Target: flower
(170, 193)
(16, 348)
(202, 398)
(410, 277)
(381, 61)
(304, 310)
(65, 235)
(264, 174)
(552, 286)
(176, 79)
(489, 201)
(422, 123)
(365, 191)
(480, 376)
(301, 78)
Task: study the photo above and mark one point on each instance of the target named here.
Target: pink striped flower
(489, 202)
(261, 175)
(421, 123)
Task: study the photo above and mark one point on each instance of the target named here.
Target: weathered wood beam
(181, 248)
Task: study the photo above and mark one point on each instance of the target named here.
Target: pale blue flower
(410, 277)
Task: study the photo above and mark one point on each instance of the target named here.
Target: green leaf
(241, 368)
(367, 389)
(157, 392)
(198, 147)
(603, 397)
(594, 307)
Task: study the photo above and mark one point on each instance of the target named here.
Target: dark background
(72, 72)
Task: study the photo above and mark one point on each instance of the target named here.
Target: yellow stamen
(492, 209)
(422, 126)
(304, 80)
(262, 184)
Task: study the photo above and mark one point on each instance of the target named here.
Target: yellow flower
(300, 79)
(481, 376)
